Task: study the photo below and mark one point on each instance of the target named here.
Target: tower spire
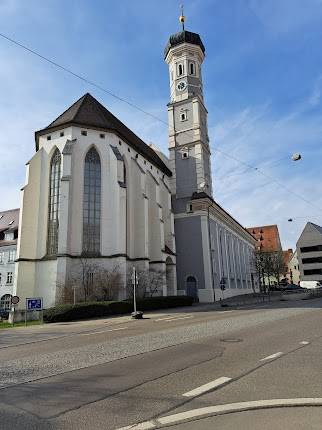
(182, 18)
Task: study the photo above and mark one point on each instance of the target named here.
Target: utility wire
(94, 84)
(82, 78)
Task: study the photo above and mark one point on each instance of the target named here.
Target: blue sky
(262, 84)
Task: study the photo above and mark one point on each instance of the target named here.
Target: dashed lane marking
(270, 357)
(304, 342)
(103, 331)
(174, 318)
(179, 318)
(207, 387)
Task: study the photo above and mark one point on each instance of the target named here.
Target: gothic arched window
(92, 203)
(53, 207)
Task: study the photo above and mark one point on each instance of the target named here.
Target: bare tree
(150, 283)
(269, 265)
(107, 284)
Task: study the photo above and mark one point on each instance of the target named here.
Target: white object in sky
(296, 156)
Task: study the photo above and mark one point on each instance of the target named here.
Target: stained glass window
(92, 203)
(53, 209)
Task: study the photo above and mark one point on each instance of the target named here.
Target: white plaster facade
(136, 225)
(8, 246)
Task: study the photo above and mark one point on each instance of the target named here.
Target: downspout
(210, 252)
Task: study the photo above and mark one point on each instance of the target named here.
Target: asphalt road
(242, 368)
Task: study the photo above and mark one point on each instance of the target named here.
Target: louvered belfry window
(92, 204)
(53, 209)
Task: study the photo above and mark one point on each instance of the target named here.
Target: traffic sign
(34, 303)
(14, 300)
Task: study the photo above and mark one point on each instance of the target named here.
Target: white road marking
(304, 342)
(207, 387)
(179, 318)
(103, 331)
(270, 357)
(147, 425)
(224, 409)
(173, 318)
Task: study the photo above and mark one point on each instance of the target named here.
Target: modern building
(9, 222)
(97, 199)
(309, 253)
(267, 238)
(213, 249)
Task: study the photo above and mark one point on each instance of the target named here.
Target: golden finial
(182, 18)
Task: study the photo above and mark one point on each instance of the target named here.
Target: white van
(310, 285)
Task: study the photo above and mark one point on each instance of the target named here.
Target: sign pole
(134, 288)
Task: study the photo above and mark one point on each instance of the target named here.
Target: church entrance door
(191, 288)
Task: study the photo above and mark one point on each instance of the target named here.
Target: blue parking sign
(34, 303)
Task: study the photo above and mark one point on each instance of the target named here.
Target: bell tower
(187, 117)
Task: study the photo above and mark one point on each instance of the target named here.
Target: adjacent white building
(9, 221)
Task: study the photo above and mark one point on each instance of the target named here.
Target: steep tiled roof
(6, 218)
(267, 236)
(9, 221)
(88, 112)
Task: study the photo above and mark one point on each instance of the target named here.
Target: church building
(98, 199)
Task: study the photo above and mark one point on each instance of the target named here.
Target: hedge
(154, 303)
(102, 309)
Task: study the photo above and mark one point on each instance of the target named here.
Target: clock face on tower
(181, 86)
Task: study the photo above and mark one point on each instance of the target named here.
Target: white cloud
(256, 137)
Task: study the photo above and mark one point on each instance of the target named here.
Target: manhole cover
(231, 340)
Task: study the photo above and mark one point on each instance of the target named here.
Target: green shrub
(102, 309)
(85, 310)
(154, 303)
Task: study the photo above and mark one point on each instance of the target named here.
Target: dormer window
(11, 222)
(84, 133)
(9, 236)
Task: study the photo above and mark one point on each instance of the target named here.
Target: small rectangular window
(84, 133)
(49, 137)
(61, 134)
(9, 278)
(12, 256)
(102, 135)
